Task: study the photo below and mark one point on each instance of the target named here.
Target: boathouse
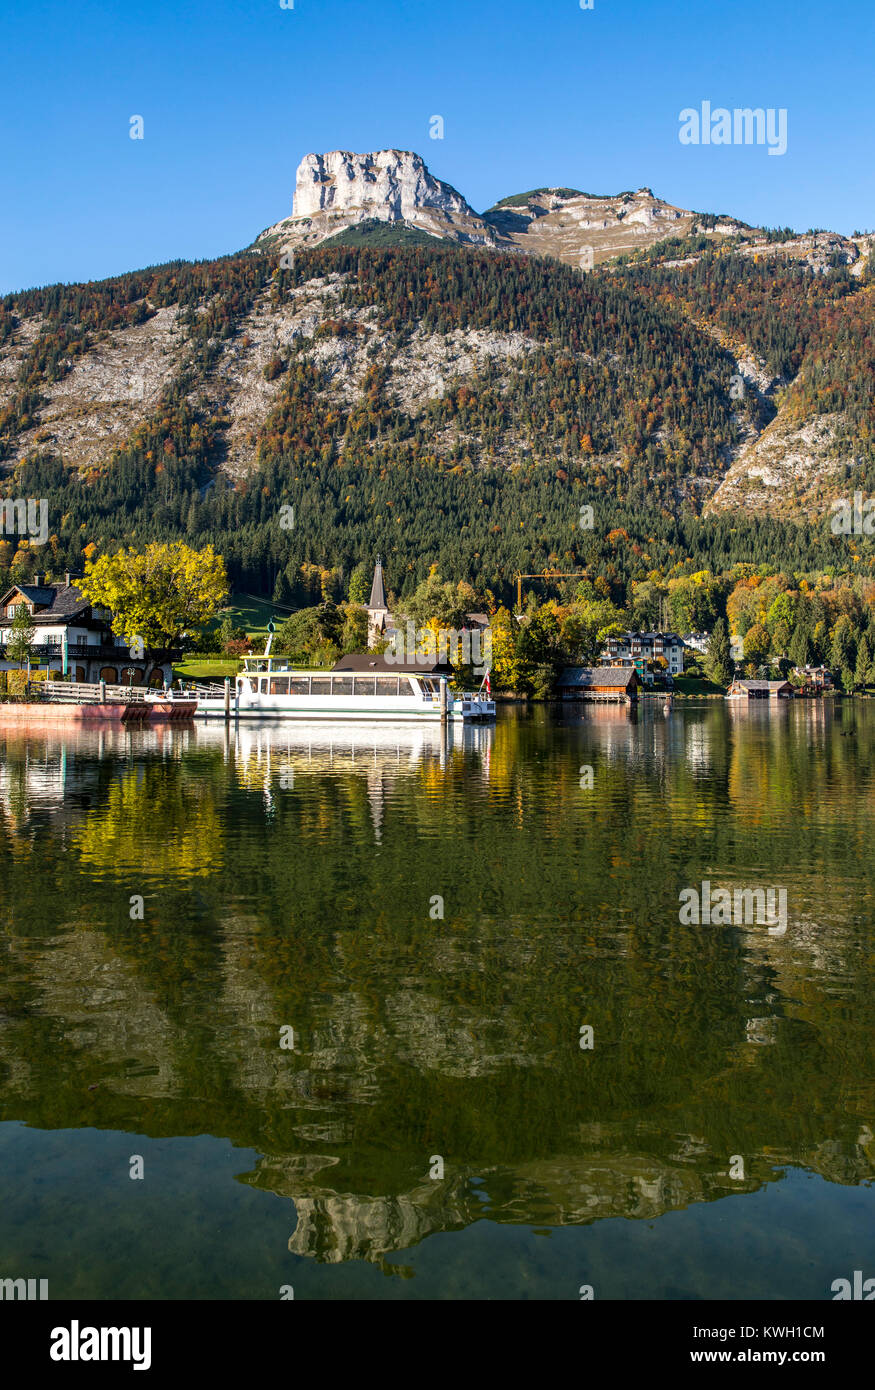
(618, 684)
(760, 690)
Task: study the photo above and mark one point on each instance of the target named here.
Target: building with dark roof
(760, 690)
(617, 683)
(646, 647)
(74, 637)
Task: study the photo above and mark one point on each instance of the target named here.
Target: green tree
(843, 651)
(312, 635)
(800, 646)
(863, 671)
(18, 648)
(757, 644)
(359, 585)
(718, 663)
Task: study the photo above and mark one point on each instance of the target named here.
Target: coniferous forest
(622, 404)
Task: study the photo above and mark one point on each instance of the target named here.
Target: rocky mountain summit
(390, 194)
(339, 190)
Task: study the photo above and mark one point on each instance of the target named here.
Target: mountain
(425, 382)
(389, 197)
(339, 190)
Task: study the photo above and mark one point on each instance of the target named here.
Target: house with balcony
(642, 649)
(73, 637)
(814, 680)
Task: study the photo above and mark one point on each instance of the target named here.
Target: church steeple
(378, 596)
(379, 619)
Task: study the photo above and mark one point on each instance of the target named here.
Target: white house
(72, 636)
(632, 647)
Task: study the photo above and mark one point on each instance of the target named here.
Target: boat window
(406, 686)
(299, 685)
(320, 685)
(341, 685)
(429, 686)
(364, 685)
(279, 685)
(387, 685)
(262, 684)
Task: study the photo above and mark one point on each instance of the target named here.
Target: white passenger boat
(269, 688)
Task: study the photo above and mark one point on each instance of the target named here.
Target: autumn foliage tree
(157, 594)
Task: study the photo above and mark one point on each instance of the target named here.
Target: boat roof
(264, 665)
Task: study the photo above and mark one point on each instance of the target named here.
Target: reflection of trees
(151, 824)
(271, 905)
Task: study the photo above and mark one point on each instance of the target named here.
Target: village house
(813, 678)
(613, 683)
(73, 638)
(640, 648)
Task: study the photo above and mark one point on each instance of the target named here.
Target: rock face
(338, 190)
(389, 185)
(583, 228)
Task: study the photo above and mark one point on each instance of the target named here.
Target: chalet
(644, 647)
(760, 690)
(615, 683)
(813, 678)
(74, 637)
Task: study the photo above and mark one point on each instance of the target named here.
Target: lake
(399, 1014)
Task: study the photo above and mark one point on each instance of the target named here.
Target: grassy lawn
(697, 685)
(205, 668)
(254, 614)
(246, 611)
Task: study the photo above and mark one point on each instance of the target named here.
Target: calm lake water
(715, 1141)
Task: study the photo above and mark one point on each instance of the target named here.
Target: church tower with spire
(379, 619)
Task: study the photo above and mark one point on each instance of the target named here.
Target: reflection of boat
(269, 688)
(347, 744)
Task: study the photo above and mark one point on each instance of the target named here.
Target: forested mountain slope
(445, 403)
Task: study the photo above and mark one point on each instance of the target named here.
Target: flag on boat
(488, 686)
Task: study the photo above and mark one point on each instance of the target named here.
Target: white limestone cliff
(339, 189)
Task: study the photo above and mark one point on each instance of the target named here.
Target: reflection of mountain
(302, 900)
(570, 1190)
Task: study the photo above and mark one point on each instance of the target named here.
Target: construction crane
(546, 574)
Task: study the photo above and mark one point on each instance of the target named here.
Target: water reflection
(288, 875)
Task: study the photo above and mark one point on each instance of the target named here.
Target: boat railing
(205, 692)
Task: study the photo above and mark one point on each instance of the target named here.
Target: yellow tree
(159, 593)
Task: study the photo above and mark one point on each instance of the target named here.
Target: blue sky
(234, 92)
